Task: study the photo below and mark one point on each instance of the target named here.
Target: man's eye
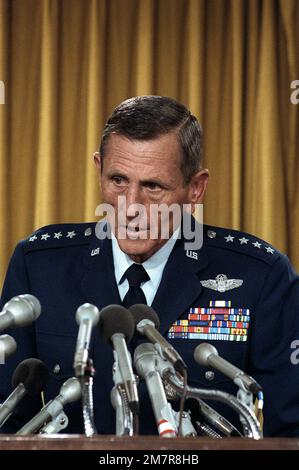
(118, 180)
(153, 186)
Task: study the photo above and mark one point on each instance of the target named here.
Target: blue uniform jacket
(67, 265)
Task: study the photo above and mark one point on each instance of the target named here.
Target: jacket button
(211, 234)
(88, 232)
(56, 369)
(209, 375)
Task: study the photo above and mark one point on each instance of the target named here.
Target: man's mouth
(133, 232)
(134, 229)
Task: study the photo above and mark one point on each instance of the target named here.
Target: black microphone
(19, 311)
(30, 377)
(147, 323)
(207, 355)
(117, 326)
(201, 413)
(8, 346)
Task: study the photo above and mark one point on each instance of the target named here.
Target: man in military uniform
(235, 291)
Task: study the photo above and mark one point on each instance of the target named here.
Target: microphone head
(33, 374)
(144, 359)
(144, 312)
(8, 346)
(87, 312)
(116, 319)
(202, 353)
(70, 390)
(24, 309)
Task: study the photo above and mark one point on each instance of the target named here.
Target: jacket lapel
(180, 285)
(98, 283)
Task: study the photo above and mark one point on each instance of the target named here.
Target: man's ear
(98, 162)
(198, 186)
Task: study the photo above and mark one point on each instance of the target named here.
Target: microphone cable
(87, 399)
(182, 400)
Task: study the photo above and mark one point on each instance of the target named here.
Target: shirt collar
(122, 261)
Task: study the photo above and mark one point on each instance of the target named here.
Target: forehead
(161, 152)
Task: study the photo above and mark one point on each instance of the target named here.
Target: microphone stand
(56, 424)
(126, 425)
(86, 382)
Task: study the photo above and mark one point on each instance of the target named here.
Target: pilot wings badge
(222, 283)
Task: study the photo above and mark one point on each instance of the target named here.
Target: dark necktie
(136, 274)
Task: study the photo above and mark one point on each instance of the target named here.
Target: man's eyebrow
(156, 181)
(112, 173)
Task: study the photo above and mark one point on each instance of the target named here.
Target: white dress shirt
(154, 267)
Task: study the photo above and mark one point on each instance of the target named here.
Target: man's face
(147, 173)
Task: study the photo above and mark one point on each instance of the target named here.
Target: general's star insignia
(222, 283)
(229, 238)
(269, 250)
(32, 239)
(71, 234)
(57, 235)
(257, 244)
(243, 240)
(45, 236)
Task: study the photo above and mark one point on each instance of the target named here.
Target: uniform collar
(154, 265)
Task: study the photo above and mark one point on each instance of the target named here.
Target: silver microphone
(147, 324)
(8, 346)
(87, 316)
(207, 355)
(145, 357)
(69, 392)
(19, 311)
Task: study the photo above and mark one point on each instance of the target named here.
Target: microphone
(201, 413)
(117, 326)
(19, 311)
(8, 346)
(145, 357)
(147, 323)
(87, 316)
(207, 355)
(30, 377)
(70, 391)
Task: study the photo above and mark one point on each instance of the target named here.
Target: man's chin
(139, 247)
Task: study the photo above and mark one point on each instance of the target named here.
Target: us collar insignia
(222, 283)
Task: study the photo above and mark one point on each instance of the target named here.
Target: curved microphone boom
(117, 326)
(87, 316)
(69, 392)
(147, 323)
(19, 311)
(29, 378)
(207, 355)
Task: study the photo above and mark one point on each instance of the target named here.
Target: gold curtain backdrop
(65, 64)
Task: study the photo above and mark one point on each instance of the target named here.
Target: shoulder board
(241, 242)
(59, 235)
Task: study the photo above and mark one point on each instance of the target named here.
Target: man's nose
(134, 196)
